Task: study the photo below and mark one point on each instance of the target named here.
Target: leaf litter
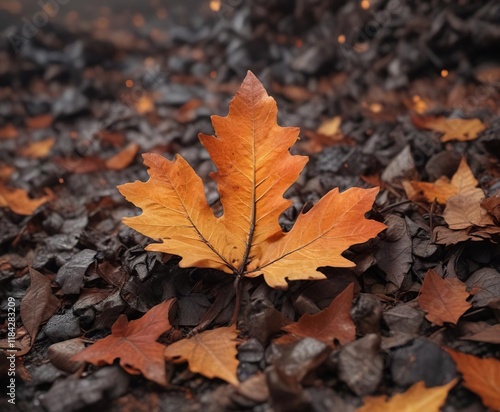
(65, 151)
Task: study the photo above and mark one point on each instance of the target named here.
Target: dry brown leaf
(9, 131)
(211, 353)
(39, 122)
(464, 210)
(453, 129)
(123, 158)
(444, 300)
(481, 376)
(18, 200)
(38, 304)
(492, 206)
(254, 169)
(38, 149)
(442, 189)
(334, 322)
(417, 398)
(134, 343)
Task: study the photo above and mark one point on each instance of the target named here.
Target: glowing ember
(444, 73)
(365, 4)
(341, 39)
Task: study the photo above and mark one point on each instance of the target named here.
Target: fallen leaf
(464, 210)
(330, 127)
(5, 172)
(490, 335)
(134, 343)
(334, 322)
(38, 149)
(442, 189)
(18, 200)
(8, 131)
(484, 285)
(211, 353)
(254, 169)
(492, 206)
(462, 130)
(38, 304)
(416, 399)
(42, 121)
(481, 376)
(123, 158)
(444, 300)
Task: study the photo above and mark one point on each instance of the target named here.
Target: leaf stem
(238, 283)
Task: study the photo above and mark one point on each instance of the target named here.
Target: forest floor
(375, 92)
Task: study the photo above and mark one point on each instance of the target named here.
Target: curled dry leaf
(254, 169)
(211, 353)
(38, 304)
(134, 343)
(453, 129)
(481, 376)
(444, 300)
(18, 200)
(334, 322)
(416, 399)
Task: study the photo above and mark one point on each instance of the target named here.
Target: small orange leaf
(211, 353)
(123, 158)
(453, 129)
(18, 200)
(442, 189)
(481, 376)
(444, 300)
(8, 131)
(334, 322)
(330, 127)
(416, 399)
(134, 343)
(38, 149)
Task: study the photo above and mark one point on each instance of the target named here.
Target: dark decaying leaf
(39, 304)
(74, 394)
(332, 323)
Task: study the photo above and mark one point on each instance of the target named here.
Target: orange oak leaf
(254, 169)
(481, 376)
(453, 129)
(334, 322)
(416, 399)
(18, 200)
(444, 300)
(134, 343)
(211, 353)
(442, 189)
